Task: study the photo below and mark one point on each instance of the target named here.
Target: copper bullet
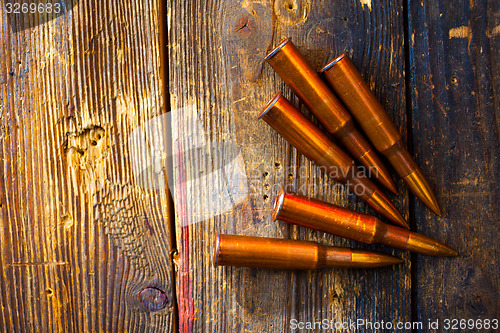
(348, 84)
(247, 251)
(300, 132)
(299, 75)
(343, 222)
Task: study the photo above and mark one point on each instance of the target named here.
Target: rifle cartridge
(301, 133)
(247, 251)
(343, 222)
(299, 75)
(348, 84)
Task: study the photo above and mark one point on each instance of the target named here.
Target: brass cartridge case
(298, 74)
(300, 132)
(247, 251)
(343, 222)
(346, 81)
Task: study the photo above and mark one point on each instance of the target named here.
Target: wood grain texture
(81, 235)
(84, 234)
(454, 54)
(216, 51)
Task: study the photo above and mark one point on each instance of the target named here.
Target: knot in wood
(245, 25)
(153, 299)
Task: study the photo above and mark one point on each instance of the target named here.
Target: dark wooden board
(454, 54)
(84, 212)
(216, 67)
(80, 233)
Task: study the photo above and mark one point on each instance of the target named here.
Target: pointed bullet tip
(404, 224)
(399, 219)
(392, 187)
(372, 161)
(437, 211)
(450, 253)
(422, 190)
(397, 260)
(387, 182)
(444, 251)
(429, 246)
(370, 259)
(432, 204)
(384, 206)
(389, 261)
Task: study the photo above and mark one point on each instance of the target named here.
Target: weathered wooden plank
(216, 71)
(81, 234)
(454, 71)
